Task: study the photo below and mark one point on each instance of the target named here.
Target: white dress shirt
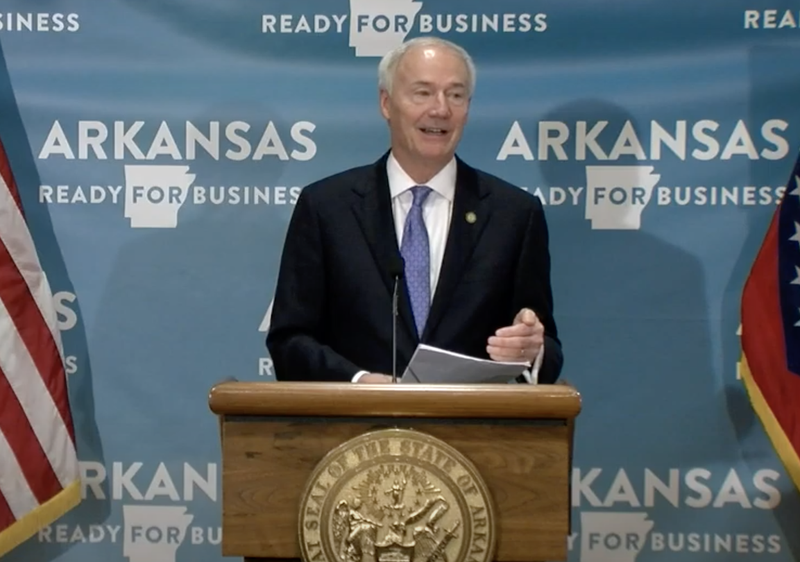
(436, 212)
(436, 209)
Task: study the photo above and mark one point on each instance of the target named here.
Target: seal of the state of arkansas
(396, 495)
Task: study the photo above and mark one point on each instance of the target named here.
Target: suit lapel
(469, 217)
(373, 210)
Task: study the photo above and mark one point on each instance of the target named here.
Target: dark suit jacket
(332, 311)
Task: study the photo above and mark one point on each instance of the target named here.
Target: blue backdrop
(160, 146)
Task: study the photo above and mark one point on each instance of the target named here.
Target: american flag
(39, 478)
(770, 365)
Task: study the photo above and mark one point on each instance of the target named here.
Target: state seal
(396, 495)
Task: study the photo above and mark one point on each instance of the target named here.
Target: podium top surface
(322, 399)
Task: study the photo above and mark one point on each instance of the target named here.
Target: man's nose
(440, 106)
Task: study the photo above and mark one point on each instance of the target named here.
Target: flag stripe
(13, 484)
(35, 400)
(30, 332)
(19, 268)
(6, 517)
(23, 442)
(15, 235)
(8, 177)
(39, 475)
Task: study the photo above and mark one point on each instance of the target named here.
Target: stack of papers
(431, 365)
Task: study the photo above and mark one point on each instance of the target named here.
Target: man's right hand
(375, 378)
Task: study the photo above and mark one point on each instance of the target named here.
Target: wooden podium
(519, 439)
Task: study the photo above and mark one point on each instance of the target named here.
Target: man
(476, 264)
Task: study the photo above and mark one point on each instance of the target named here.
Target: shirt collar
(443, 183)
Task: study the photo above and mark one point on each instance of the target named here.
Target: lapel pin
(471, 218)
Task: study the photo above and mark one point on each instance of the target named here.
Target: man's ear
(384, 101)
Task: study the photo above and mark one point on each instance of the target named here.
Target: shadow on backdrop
(632, 311)
(81, 387)
(182, 306)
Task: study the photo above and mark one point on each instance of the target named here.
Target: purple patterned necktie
(416, 254)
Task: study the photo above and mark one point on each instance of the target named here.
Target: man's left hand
(519, 342)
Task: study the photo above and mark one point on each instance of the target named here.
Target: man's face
(428, 107)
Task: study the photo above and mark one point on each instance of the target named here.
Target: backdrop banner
(160, 147)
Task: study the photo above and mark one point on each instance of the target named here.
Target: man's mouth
(433, 131)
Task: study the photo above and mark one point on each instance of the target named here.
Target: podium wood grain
(524, 455)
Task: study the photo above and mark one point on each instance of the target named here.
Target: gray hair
(389, 62)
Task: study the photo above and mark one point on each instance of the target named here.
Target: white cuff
(358, 376)
(532, 375)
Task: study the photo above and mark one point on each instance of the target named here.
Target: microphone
(396, 269)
